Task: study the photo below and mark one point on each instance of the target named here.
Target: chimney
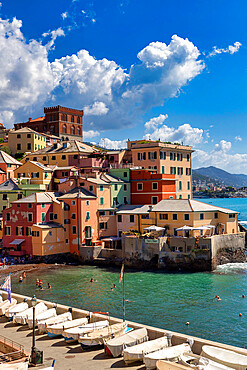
(30, 119)
(150, 208)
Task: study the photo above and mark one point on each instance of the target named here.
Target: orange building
(150, 187)
(8, 164)
(81, 222)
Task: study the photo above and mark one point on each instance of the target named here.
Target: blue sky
(170, 70)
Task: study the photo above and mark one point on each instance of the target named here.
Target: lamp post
(36, 355)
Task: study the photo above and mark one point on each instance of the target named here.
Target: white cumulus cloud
(64, 15)
(98, 108)
(231, 49)
(238, 138)
(90, 134)
(154, 122)
(223, 145)
(112, 144)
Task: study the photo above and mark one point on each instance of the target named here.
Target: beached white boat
(56, 330)
(1, 299)
(72, 334)
(14, 366)
(170, 353)
(200, 362)
(225, 357)
(135, 353)
(97, 337)
(41, 317)
(114, 347)
(16, 309)
(22, 317)
(5, 305)
(168, 365)
(42, 325)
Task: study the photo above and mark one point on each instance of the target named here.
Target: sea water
(164, 300)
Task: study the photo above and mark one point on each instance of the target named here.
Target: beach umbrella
(184, 228)
(154, 228)
(201, 228)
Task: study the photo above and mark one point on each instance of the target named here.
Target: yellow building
(203, 219)
(173, 159)
(25, 140)
(66, 153)
(34, 173)
(49, 239)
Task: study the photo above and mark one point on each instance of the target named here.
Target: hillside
(221, 176)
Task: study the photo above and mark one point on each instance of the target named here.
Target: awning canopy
(154, 228)
(17, 241)
(185, 228)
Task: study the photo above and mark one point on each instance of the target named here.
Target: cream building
(25, 140)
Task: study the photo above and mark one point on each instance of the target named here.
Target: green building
(120, 189)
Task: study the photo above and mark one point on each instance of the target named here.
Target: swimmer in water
(218, 299)
(111, 289)
(114, 285)
(20, 279)
(49, 286)
(37, 282)
(24, 275)
(95, 280)
(243, 296)
(91, 281)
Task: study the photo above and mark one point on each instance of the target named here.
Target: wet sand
(28, 268)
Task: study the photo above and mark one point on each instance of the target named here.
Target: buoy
(187, 323)
(240, 315)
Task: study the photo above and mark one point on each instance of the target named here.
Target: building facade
(63, 122)
(25, 140)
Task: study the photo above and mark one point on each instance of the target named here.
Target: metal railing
(14, 350)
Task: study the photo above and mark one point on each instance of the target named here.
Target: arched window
(72, 130)
(64, 129)
(72, 119)
(67, 139)
(78, 131)
(52, 129)
(78, 120)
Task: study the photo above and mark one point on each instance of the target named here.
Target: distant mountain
(221, 176)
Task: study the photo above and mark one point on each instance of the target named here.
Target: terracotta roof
(46, 197)
(25, 130)
(78, 192)
(72, 146)
(37, 119)
(133, 209)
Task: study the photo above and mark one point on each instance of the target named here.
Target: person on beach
(49, 286)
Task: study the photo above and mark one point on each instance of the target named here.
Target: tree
(5, 149)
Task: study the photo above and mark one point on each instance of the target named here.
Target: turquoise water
(236, 204)
(163, 300)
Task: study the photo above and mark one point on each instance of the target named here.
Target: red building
(8, 164)
(150, 187)
(66, 123)
(19, 218)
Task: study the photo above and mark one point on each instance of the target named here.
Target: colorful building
(174, 214)
(67, 153)
(8, 164)
(25, 140)
(63, 122)
(172, 159)
(34, 173)
(120, 190)
(150, 187)
(20, 217)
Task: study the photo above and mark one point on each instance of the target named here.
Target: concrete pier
(72, 357)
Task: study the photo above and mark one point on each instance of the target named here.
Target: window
(73, 202)
(163, 216)
(90, 187)
(35, 233)
(152, 155)
(101, 213)
(103, 225)
(55, 216)
(46, 175)
(30, 217)
(43, 205)
(35, 159)
(201, 216)
(180, 196)
(7, 230)
(67, 241)
(216, 215)
(188, 185)
(141, 156)
(73, 216)
(66, 207)
(188, 196)
(163, 170)
(72, 130)
(72, 119)
(140, 186)
(125, 187)
(154, 200)
(53, 158)
(173, 170)
(145, 217)
(7, 216)
(125, 200)
(28, 136)
(63, 157)
(28, 231)
(5, 197)
(174, 216)
(231, 215)
(73, 229)
(34, 175)
(18, 146)
(64, 129)
(115, 187)
(19, 230)
(29, 146)
(180, 185)
(18, 206)
(101, 188)
(154, 185)
(75, 156)
(19, 195)
(101, 201)
(132, 218)
(78, 131)
(18, 136)
(88, 216)
(119, 218)
(188, 157)
(43, 217)
(180, 170)
(51, 216)
(172, 156)
(188, 171)
(125, 174)
(67, 221)
(186, 217)
(87, 202)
